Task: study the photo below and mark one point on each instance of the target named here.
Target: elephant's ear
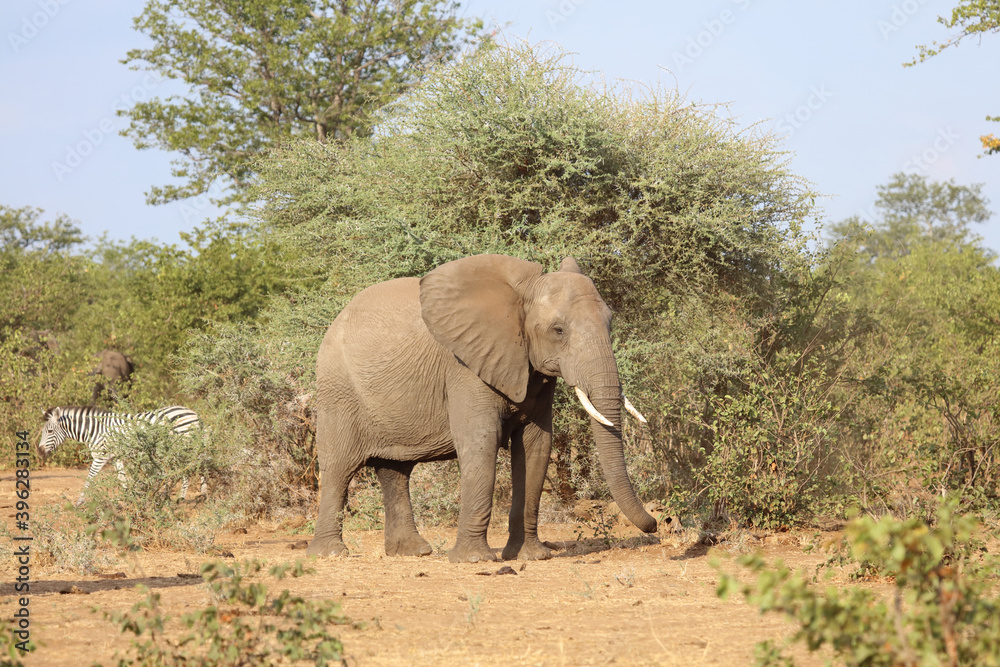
(474, 307)
(569, 265)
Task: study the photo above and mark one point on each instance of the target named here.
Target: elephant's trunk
(604, 389)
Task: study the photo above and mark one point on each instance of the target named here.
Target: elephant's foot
(407, 545)
(471, 551)
(326, 546)
(530, 549)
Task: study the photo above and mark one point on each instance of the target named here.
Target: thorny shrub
(155, 463)
(943, 609)
(252, 389)
(241, 626)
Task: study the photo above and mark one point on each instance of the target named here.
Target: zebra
(92, 426)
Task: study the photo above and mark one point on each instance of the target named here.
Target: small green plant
(242, 627)
(601, 525)
(156, 460)
(140, 506)
(840, 555)
(308, 528)
(10, 653)
(588, 590)
(64, 541)
(944, 609)
(475, 603)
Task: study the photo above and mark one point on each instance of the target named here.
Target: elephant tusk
(589, 407)
(631, 409)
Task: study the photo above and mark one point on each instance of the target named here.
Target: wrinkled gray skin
(115, 371)
(460, 363)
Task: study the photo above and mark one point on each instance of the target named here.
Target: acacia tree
(40, 283)
(687, 226)
(915, 211)
(259, 72)
(934, 291)
(971, 17)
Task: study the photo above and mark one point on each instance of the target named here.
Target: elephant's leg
(401, 536)
(345, 459)
(477, 440)
(328, 539)
(529, 456)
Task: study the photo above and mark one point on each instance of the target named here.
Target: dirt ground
(641, 601)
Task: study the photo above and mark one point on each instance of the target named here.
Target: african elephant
(458, 364)
(115, 370)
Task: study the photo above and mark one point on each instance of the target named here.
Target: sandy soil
(640, 601)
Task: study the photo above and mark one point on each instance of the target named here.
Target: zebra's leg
(185, 484)
(95, 467)
(120, 467)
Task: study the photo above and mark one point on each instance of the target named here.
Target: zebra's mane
(78, 410)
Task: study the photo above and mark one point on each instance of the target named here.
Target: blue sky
(826, 76)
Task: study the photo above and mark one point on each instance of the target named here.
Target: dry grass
(643, 600)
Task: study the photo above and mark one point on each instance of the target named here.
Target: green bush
(155, 462)
(65, 542)
(10, 654)
(256, 389)
(933, 289)
(33, 378)
(675, 214)
(241, 627)
(943, 609)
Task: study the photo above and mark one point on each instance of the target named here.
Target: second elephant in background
(114, 372)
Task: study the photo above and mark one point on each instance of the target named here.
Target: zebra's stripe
(92, 426)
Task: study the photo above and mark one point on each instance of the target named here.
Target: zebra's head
(53, 433)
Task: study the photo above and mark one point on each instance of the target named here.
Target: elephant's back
(389, 310)
(379, 357)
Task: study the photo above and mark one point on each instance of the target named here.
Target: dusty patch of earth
(640, 601)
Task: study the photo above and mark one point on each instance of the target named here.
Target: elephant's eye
(558, 329)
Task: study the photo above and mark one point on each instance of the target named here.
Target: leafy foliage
(925, 370)
(38, 276)
(155, 462)
(914, 211)
(259, 73)
(251, 386)
(242, 626)
(8, 645)
(672, 212)
(943, 608)
(508, 152)
(972, 18)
